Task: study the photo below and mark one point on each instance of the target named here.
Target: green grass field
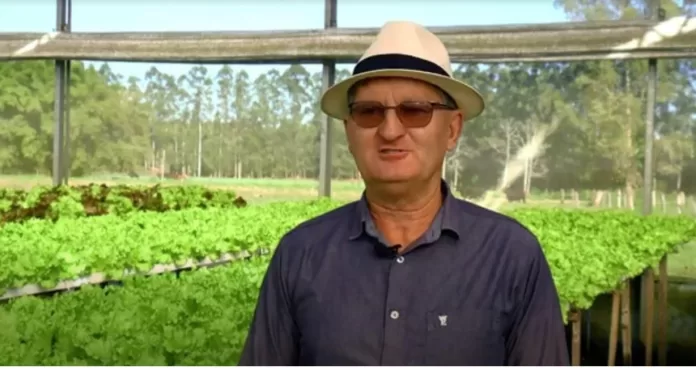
(681, 265)
(253, 190)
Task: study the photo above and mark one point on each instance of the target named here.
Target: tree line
(226, 123)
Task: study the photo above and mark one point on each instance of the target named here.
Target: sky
(207, 15)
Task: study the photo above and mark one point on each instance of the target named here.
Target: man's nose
(391, 128)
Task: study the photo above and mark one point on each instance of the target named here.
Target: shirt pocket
(469, 337)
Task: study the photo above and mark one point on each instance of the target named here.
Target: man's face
(407, 145)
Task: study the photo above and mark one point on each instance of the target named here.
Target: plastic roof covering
(672, 38)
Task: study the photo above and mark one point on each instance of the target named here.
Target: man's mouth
(391, 150)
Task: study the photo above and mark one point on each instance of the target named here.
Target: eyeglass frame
(433, 106)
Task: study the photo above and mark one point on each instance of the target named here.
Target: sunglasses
(370, 114)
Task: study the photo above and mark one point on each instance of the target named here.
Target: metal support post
(650, 121)
(654, 13)
(328, 79)
(66, 98)
(62, 68)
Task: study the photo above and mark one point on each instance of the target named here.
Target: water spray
(493, 199)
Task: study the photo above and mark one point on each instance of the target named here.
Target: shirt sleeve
(273, 335)
(537, 336)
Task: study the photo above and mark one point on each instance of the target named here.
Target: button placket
(396, 313)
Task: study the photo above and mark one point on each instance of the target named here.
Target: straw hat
(405, 49)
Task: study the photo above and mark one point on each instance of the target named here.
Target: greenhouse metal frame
(652, 39)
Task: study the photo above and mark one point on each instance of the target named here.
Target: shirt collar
(446, 218)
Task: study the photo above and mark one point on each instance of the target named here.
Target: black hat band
(397, 61)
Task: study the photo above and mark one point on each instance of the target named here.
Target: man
(408, 275)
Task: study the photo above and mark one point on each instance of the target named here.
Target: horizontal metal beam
(673, 38)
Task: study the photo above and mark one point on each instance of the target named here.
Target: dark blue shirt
(475, 289)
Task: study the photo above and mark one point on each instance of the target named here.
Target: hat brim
(334, 102)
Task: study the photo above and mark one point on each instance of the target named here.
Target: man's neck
(403, 218)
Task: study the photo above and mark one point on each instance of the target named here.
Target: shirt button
(394, 314)
(400, 259)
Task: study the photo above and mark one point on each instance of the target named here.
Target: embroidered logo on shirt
(443, 320)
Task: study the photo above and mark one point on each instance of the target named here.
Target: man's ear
(456, 125)
(345, 128)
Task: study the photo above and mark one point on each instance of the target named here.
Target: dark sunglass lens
(415, 114)
(367, 115)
